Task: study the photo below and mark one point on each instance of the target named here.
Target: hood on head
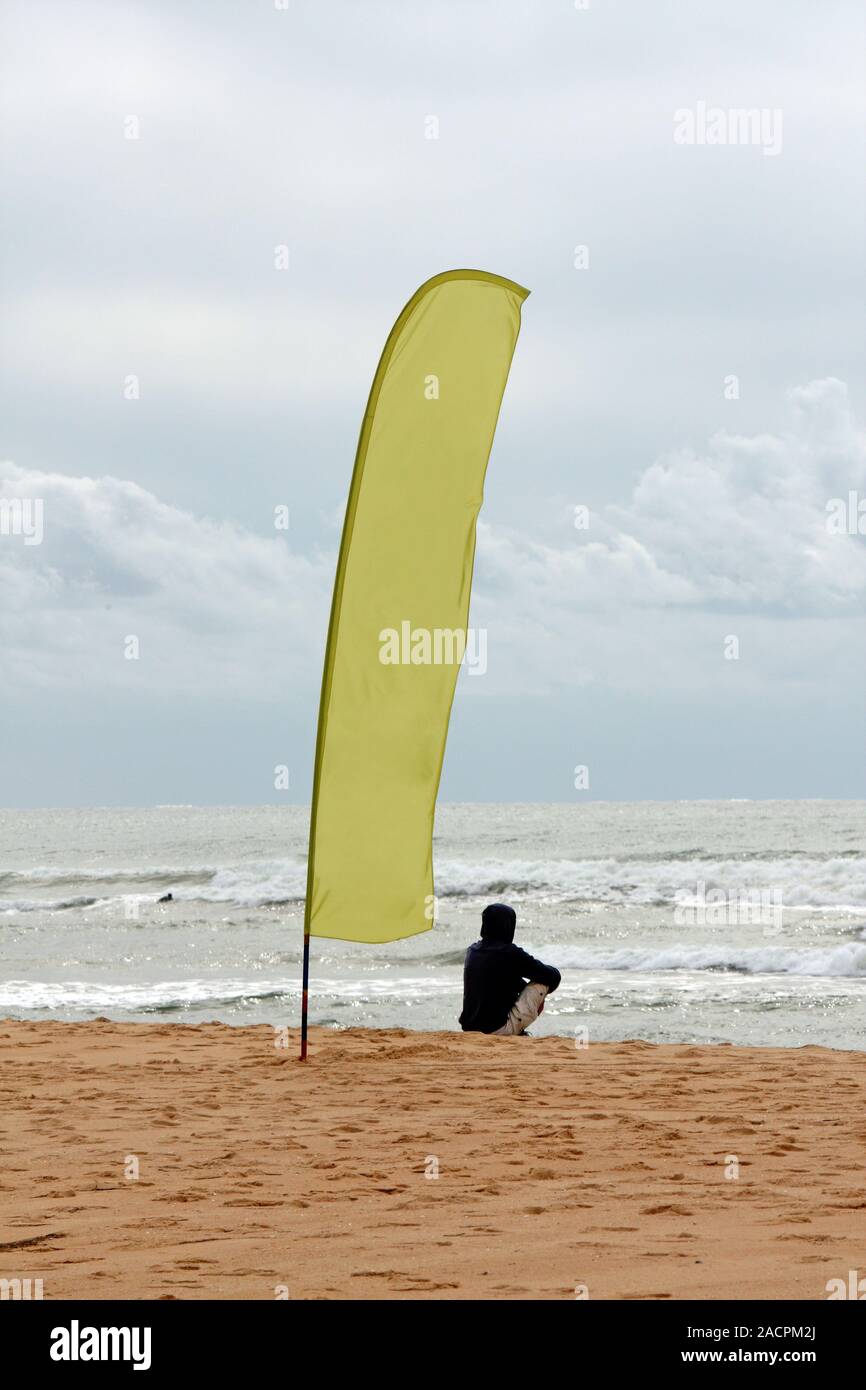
(498, 922)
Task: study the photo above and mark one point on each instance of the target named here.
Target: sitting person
(496, 995)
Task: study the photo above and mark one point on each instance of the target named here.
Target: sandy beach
(609, 1168)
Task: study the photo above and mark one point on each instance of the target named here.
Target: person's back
(496, 995)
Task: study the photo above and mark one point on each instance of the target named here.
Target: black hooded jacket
(495, 971)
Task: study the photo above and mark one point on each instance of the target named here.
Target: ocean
(705, 921)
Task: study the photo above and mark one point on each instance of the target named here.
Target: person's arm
(536, 970)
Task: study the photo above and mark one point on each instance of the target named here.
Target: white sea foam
(832, 883)
(169, 995)
(143, 874)
(259, 884)
(837, 882)
(160, 994)
(11, 906)
(848, 959)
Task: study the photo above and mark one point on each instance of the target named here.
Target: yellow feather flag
(400, 607)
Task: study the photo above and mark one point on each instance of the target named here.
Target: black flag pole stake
(305, 990)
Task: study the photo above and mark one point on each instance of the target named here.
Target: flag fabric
(398, 627)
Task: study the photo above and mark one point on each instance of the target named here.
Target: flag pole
(308, 895)
(305, 988)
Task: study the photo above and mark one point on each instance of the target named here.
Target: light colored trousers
(524, 1010)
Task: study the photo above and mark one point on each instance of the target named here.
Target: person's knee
(531, 1002)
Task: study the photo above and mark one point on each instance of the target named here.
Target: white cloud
(216, 607)
(741, 526)
(732, 539)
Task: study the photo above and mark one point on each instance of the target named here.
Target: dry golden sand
(557, 1166)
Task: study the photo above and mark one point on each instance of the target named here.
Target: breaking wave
(844, 960)
(822, 883)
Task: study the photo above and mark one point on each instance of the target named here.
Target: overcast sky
(307, 127)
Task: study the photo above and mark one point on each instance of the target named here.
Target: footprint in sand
(666, 1209)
